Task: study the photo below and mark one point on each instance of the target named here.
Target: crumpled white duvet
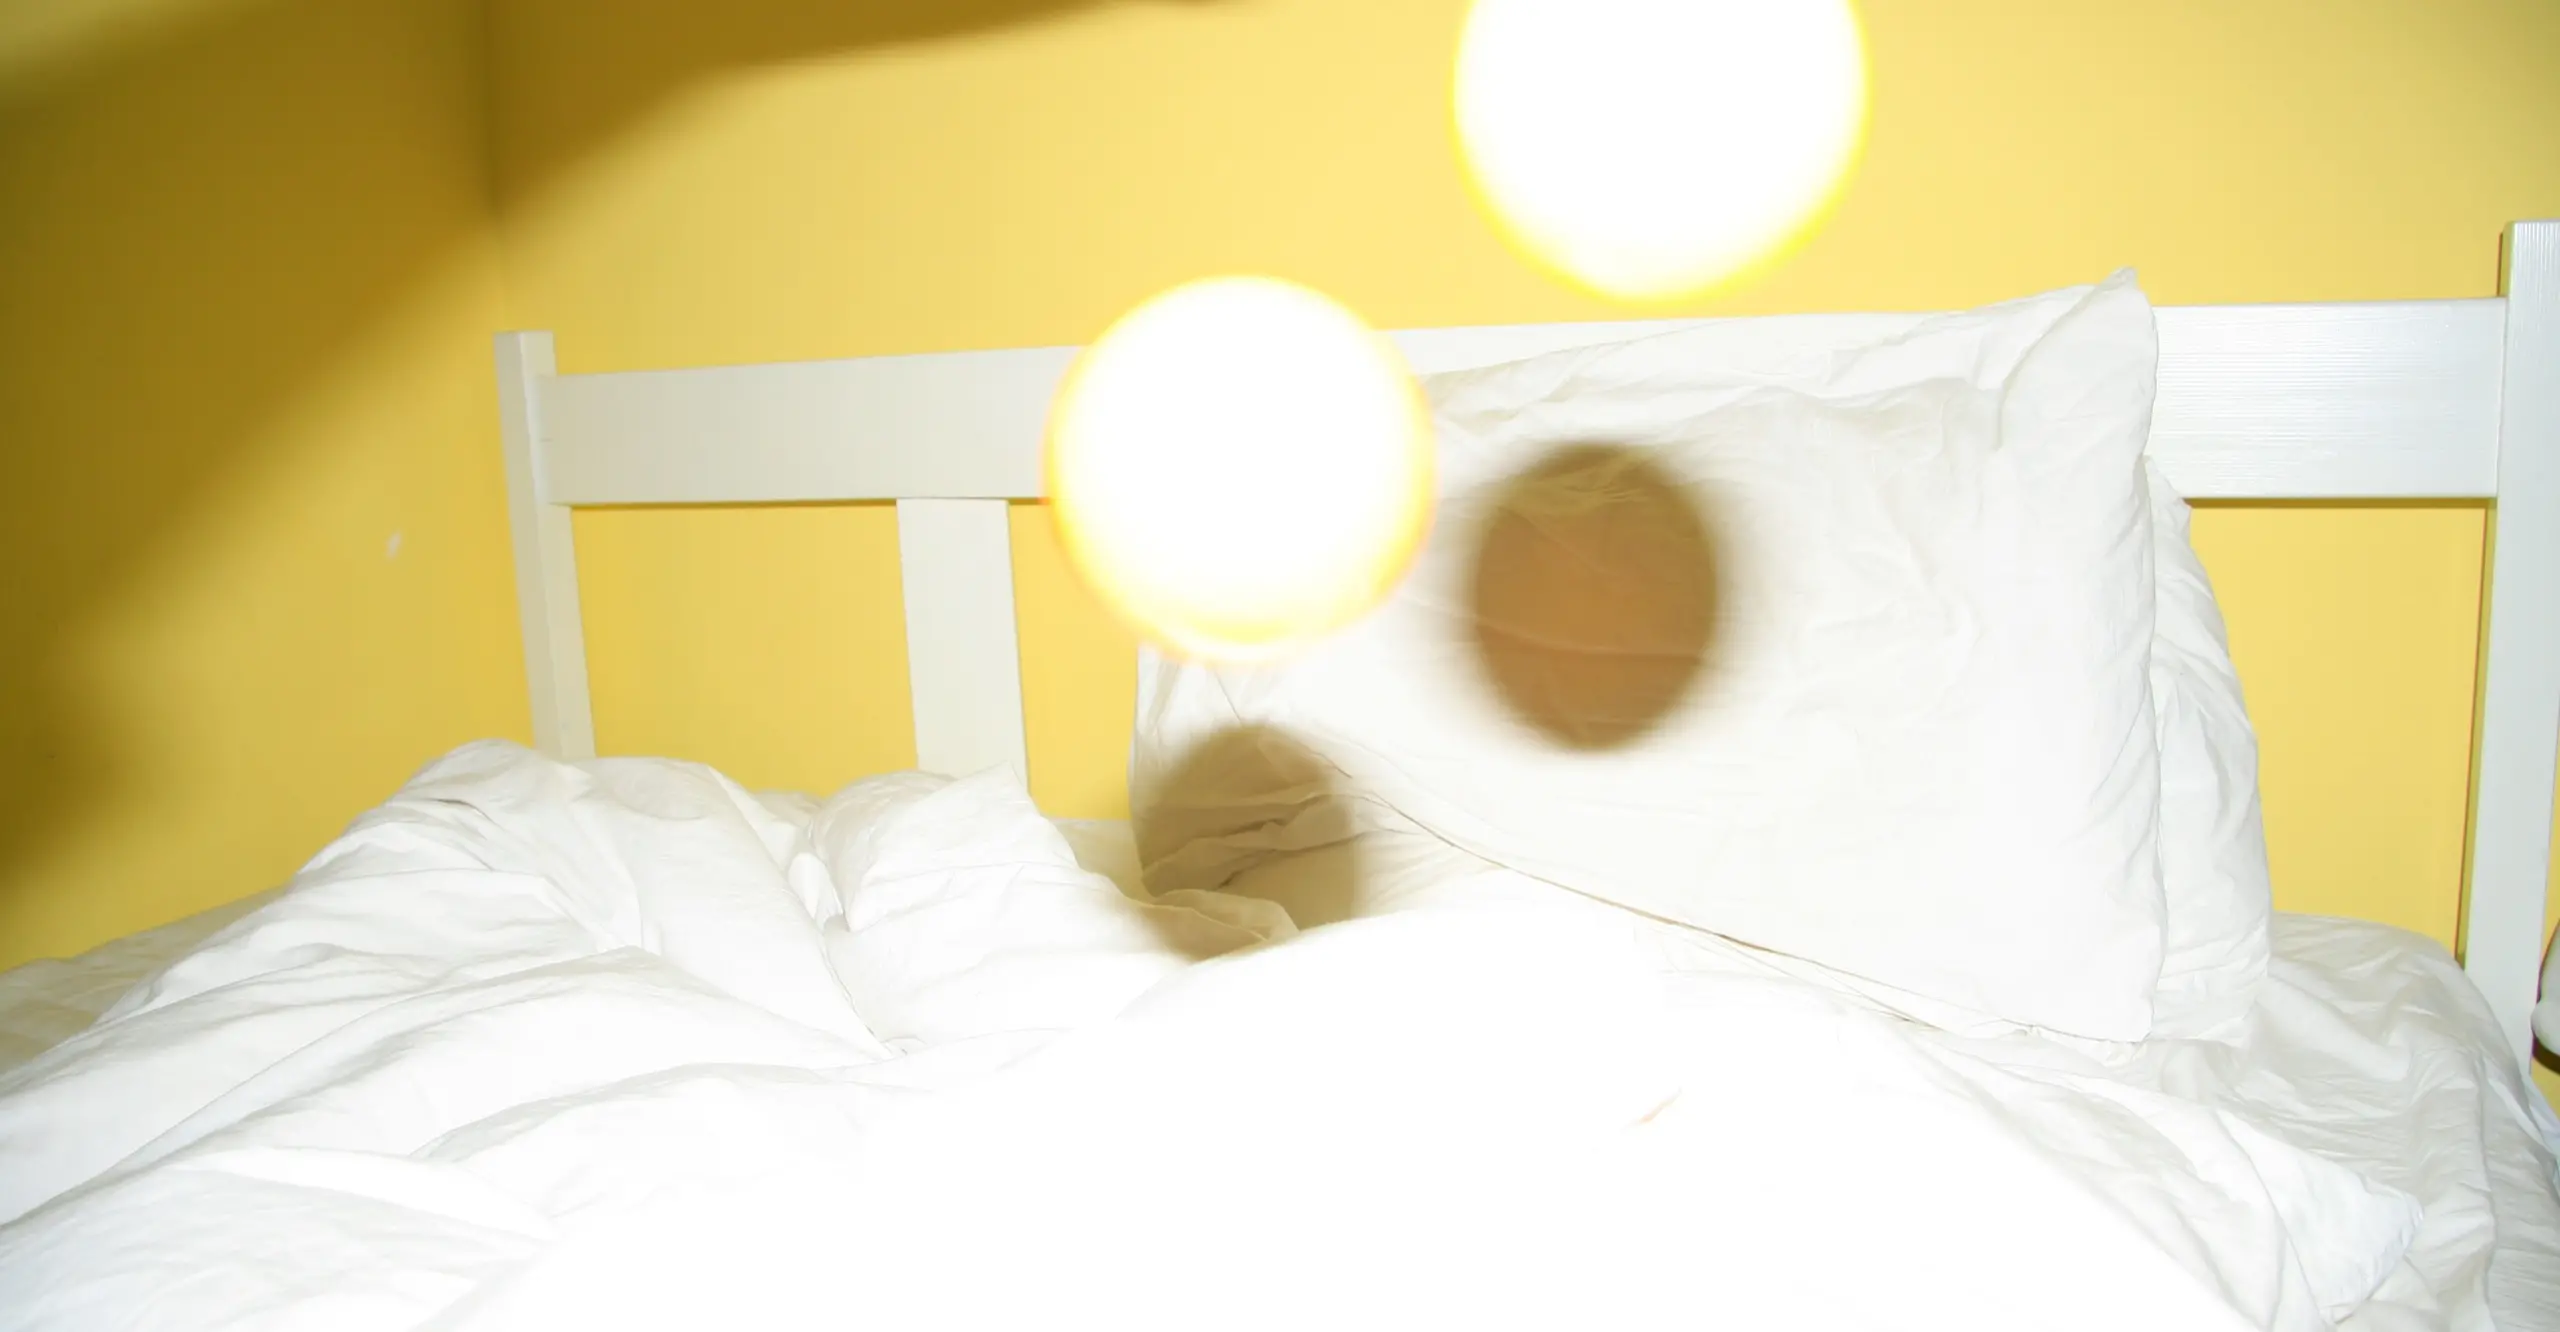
(620, 1045)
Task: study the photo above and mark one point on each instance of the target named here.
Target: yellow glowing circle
(1239, 466)
(1650, 149)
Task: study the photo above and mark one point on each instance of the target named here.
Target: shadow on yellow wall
(249, 498)
(236, 254)
(632, 56)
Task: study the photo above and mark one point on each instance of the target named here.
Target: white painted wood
(2520, 708)
(963, 661)
(960, 425)
(555, 642)
(2340, 401)
(2391, 400)
(2281, 401)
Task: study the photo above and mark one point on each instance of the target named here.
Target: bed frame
(2453, 400)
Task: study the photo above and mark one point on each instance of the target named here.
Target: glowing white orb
(1239, 466)
(1651, 149)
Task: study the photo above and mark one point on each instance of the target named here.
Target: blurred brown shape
(1595, 595)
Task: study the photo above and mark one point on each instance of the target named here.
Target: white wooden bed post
(555, 637)
(2520, 707)
(964, 666)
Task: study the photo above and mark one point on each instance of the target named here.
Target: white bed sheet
(2368, 1051)
(2367, 1046)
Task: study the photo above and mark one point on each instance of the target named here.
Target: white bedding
(526, 1051)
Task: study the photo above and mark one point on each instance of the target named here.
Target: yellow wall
(246, 277)
(683, 183)
(775, 180)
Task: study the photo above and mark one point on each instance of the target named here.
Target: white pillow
(1920, 747)
(2213, 845)
(2213, 851)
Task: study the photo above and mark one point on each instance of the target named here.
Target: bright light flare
(1240, 466)
(1653, 149)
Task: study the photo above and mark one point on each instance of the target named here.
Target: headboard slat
(2520, 705)
(555, 636)
(964, 669)
(2395, 398)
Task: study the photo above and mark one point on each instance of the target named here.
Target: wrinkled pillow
(2213, 850)
(1841, 651)
(2213, 844)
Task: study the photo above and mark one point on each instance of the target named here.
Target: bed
(557, 1040)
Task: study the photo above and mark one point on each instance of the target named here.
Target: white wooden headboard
(2397, 400)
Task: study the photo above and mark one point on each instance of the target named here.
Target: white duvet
(622, 1046)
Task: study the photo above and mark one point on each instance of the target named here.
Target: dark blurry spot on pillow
(1595, 594)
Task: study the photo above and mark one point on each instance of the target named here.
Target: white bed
(2367, 1046)
(2341, 401)
(550, 1040)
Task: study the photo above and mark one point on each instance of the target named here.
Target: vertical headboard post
(2520, 707)
(964, 667)
(555, 642)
